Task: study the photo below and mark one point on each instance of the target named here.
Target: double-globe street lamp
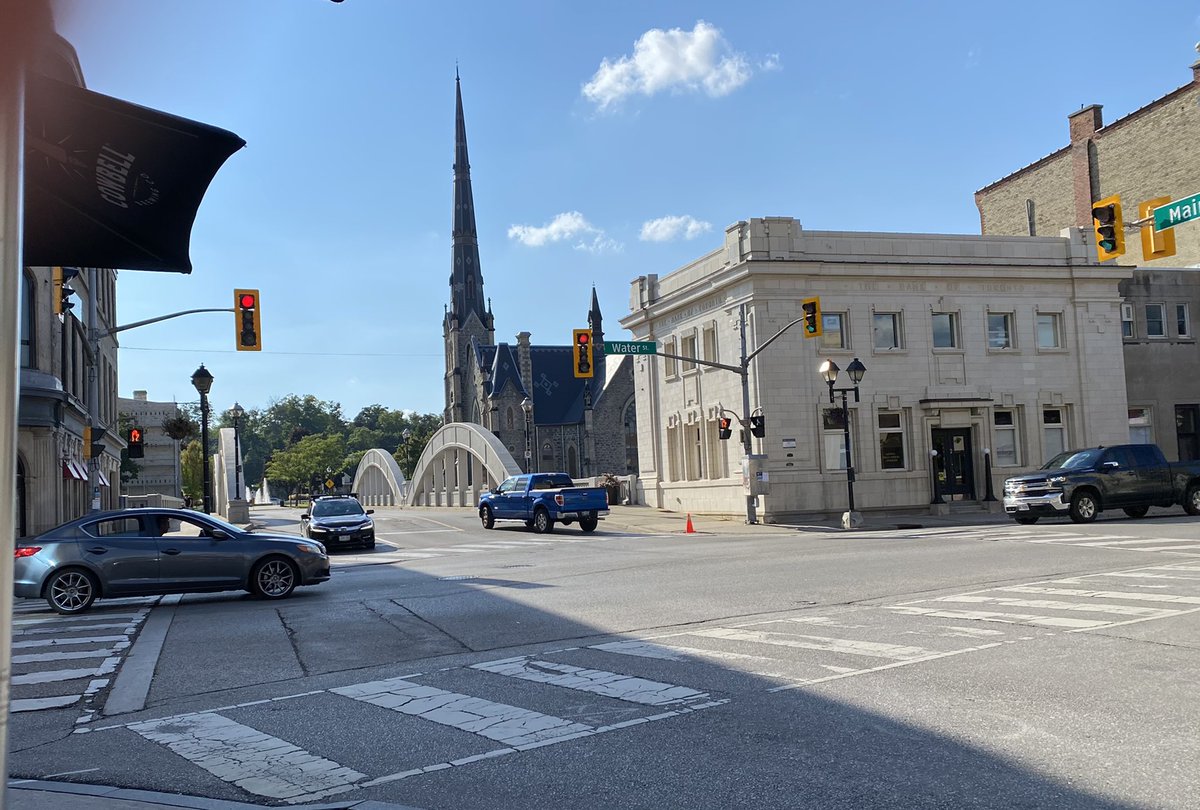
(202, 381)
(829, 371)
(237, 412)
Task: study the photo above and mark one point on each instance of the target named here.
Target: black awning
(113, 184)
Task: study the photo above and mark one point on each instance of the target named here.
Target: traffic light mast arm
(699, 362)
(115, 329)
(771, 340)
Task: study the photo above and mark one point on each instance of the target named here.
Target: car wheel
(273, 578)
(1191, 501)
(1084, 507)
(529, 524)
(71, 591)
(589, 524)
(370, 543)
(542, 522)
(1026, 520)
(1136, 512)
(486, 517)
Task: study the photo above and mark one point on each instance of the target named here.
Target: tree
(191, 463)
(308, 461)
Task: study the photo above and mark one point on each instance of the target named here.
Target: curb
(41, 794)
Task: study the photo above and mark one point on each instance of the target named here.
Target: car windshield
(1073, 460)
(336, 508)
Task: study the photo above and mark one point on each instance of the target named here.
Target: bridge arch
(378, 480)
(461, 460)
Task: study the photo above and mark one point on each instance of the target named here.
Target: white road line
(1133, 575)
(40, 704)
(416, 531)
(1144, 597)
(54, 642)
(1168, 548)
(1139, 541)
(873, 649)
(1003, 618)
(596, 681)
(893, 665)
(125, 627)
(510, 725)
(256, 762)
(1075, 538)
(680, 652)
(61, 620)
(39, 658)
(55, 675)
(1051, 604)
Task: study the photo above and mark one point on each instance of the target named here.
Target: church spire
(466, 277)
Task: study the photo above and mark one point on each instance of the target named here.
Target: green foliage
(308, 461)
(191, 465)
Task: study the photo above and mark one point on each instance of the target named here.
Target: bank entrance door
(956, 477)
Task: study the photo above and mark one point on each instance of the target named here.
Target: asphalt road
(994, 666)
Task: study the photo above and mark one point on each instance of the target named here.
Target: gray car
(136, 552)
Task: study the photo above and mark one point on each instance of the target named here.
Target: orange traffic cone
(689, 529)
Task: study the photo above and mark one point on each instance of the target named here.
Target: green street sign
(1173, 213)
(630, 347)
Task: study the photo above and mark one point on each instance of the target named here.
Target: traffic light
(137, 443)
(249, 320)
(724, 427)
(61, 297)
(1110, 227)
(758, 426)
(812, 316)
(582, 351)
(1155, 244)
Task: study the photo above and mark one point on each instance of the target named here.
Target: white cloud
(666, 229)
(770, 63)
(567, 226)
(696, 60)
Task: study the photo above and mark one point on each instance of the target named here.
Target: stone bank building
(992, 350)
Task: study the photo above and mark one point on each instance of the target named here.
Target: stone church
(528, 395)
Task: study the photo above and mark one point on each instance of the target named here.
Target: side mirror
(305, 516)
(219, 534)
(370, 511)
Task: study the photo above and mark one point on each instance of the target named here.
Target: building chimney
(1196, 72)
(140, 396)
(1085, 178)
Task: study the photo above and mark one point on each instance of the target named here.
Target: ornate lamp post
(527, 406)
(237, 412)
(202, 381)
(829, 371)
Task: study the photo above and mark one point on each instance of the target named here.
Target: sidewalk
(29, 794)
(661, 521)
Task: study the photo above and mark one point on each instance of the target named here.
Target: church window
(631, 447)
(547, 451)
(572, 462)
(510, 419)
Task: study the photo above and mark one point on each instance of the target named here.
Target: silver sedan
(136, 552)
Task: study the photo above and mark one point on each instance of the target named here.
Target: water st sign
(630, 347)
(1173, 213)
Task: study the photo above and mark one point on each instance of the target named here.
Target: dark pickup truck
(541, 500)
(1082, 483)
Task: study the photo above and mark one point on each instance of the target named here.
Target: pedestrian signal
(1110, 227)
(582, 350)
(758, 426)
(811, 307)
(724, 427)
(137, 443)
(248, 324)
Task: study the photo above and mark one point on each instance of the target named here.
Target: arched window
(629, 424)
(572, 462)
(510, 418)
(28, 314)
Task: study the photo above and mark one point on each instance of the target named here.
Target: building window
(510, 419)
(1155, 321)
(671, 367)
(1183, 323)
(1006, 439)
(891, 441)
(547, 451)
(1049, 330)
(572, 462)
(834, 438)
(631, 446)
(885, 327)
(694, 461)
(710, 344)
(999, 330)
(1029, 215)
(1141, 431)
(1187, 434)
(688, 345)
(1054, 432)
(717, 463)
(945, 330)
(833, 330)
(28, 314)
(1127, 328)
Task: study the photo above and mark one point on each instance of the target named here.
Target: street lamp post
(829, 371)
(527, 406)
(237, 412)
(202, 380)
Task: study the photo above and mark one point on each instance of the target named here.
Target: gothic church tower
(466, 317)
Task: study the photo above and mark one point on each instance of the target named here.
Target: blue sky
(607, 141)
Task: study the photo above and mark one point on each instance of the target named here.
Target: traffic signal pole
(742, 369)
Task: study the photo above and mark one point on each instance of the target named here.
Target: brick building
(1146, 154)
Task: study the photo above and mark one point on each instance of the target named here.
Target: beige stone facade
(977, 345)
(158, 471)
(1144, 155)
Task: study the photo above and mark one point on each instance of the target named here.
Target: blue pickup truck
(541, 500)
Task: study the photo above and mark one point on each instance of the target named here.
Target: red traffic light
(247, 301)
(583, 337)
(135, 435)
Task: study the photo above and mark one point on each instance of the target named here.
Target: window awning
(103, 478)
(74, 469)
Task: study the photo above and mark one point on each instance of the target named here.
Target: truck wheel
(542, 522)
(1084, 507)
(589, 524)
(1026, 520)
(1191, 501)
(1136, 512)
(486, 517)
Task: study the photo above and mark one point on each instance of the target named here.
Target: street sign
(329, 483)
(630, 347)
(1173, 213)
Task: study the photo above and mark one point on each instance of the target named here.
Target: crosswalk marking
(106, 667)
(608, 684)
(993, 616)
(1051, 604)
(254, 761)
(765, 667)
(510, 725)
(1145, 597)
(38, 704)
(42, 658)
(55, 642)
(873, 649)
